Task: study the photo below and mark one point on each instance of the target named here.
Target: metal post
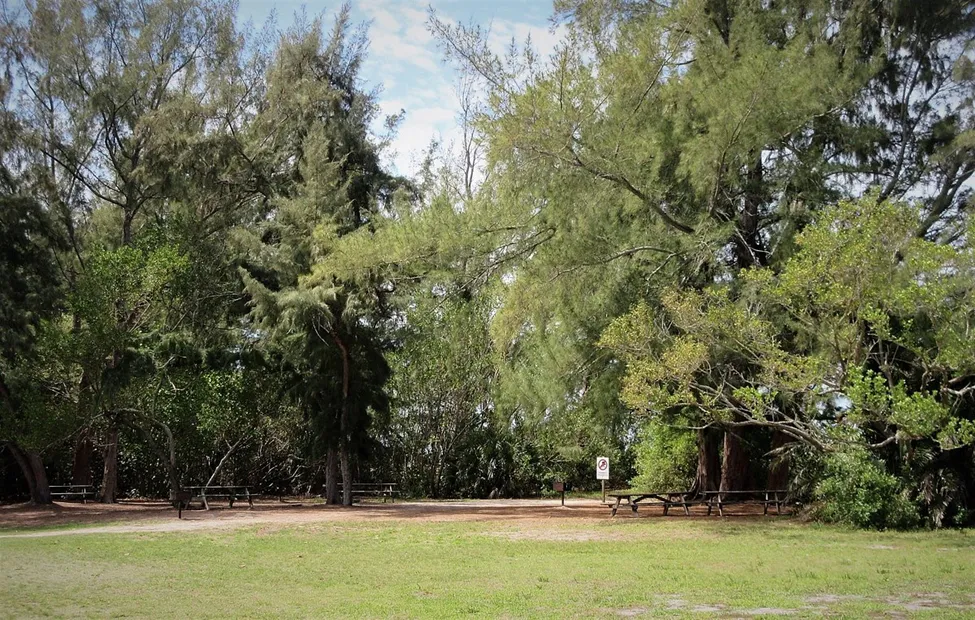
(604, 490)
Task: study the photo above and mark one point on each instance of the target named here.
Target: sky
(405, 61)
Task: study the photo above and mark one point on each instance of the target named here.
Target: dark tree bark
(25, 468)
(32, 466)
(332, 474)
(81, 469)
(42, 488)
(346, 463)
(778, 472)
(110, 473)
(708, 475)
(345, 429)
(734, 465)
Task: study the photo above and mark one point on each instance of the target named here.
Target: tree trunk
(32, 467)
(110, 473)
(708, 475)
(81, 469)
(345, 432)
(734, 466)
(174, 486)
(346, 461)
(332, 475)
(778, 471)
(223, 461)
(42, 489)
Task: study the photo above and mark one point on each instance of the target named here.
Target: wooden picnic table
(84, 492)
(664, 498)
(712, 499)
(203, 493)
(764, 497)
(374, 489)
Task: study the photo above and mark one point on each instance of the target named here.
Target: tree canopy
(725, 242)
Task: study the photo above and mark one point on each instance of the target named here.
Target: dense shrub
(666, 457)
(858, 491)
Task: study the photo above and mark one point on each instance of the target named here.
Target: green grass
(580, 569)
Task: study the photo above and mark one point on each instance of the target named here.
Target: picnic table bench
(711, 499)
(385, 490)
(84, 492)
(762, 497)
(667, 499)
(231, 493)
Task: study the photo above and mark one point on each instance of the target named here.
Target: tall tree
(679, 144)
(120, 102)
(326, 182)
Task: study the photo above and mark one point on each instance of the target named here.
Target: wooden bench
(385, 490)
(761, 497)
(84, 492)
(231, 493)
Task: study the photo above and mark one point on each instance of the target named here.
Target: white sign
(602, 468)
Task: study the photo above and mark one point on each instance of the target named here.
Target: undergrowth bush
(858, 491)
(666, 457)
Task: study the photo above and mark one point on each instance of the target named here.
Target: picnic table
(374, 489)
(667, 499)
(232, 493)
(84, 492)
(712, 499)
(763, 497)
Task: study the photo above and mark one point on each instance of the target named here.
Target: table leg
(616, 506)
(206, 505)
(250, 500)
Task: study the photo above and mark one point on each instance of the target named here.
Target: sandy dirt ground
(158, 516)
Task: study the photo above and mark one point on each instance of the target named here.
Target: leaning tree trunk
(81, 468)
(32, 467)
(42, 489)
(708, 475)
(110, 473)
(332, 474)
(734, 465)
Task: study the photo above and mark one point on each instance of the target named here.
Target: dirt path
(158, 516)
(134, 517)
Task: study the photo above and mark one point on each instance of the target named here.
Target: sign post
(602, 473)
(559, 487)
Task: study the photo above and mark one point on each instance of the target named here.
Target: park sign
(602, 468)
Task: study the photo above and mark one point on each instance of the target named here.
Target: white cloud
(405, 58)
(543, 39)
(385, 21)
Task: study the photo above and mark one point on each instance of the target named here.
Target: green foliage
(720, 214)
(30, 288)
(441, 389)
(857, 490)
(666, 458)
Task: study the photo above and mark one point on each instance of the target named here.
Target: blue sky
(406, 61)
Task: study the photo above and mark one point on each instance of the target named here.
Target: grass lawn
(621, 567)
